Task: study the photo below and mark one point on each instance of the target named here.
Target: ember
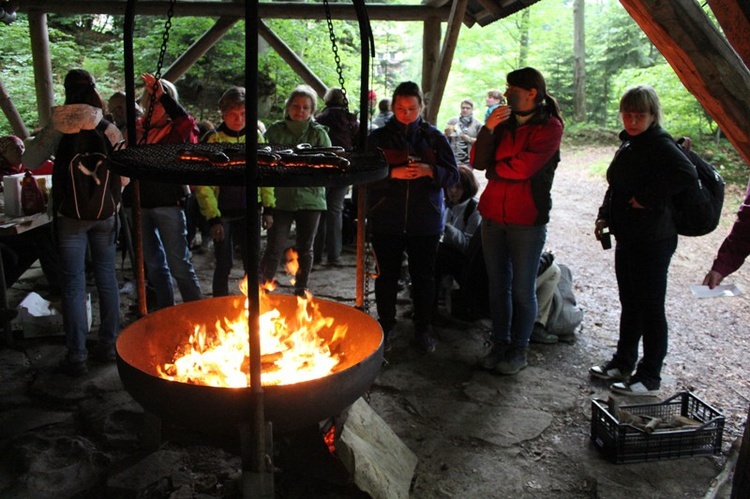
(292, 350)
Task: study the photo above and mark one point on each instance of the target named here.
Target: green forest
(617, 55)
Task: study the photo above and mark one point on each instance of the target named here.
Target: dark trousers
(235, 232)
(641, 269)
(421, 251)
(449, 262)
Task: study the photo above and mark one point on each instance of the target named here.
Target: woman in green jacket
(302, 205)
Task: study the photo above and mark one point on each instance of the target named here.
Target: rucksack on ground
(565, 317)
(698, 208)
(83, 186)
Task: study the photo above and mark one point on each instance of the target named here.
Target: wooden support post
(45, 92)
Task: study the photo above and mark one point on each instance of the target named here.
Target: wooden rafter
(734, 19)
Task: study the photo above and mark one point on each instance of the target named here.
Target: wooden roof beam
(199, 48)
(735, 21)
(445, 61)
(291, 58)
(266, 10)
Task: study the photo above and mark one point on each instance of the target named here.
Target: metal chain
(335, 50)
(157, 73)
(371, 259)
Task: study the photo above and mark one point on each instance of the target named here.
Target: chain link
(157, 73)
(335, 50)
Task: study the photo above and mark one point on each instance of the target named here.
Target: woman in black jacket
(647, 171)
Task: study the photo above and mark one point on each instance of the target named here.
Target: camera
(606, 239)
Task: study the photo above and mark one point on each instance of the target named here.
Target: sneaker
(425, 342)
(635, 387)
(73, 369)
(495, 355)
(609, 372)
(514, 361)
(539, 334)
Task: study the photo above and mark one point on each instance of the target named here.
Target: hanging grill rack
(224, 164)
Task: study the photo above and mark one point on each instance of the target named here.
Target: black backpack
(83, 186)
(698, 208)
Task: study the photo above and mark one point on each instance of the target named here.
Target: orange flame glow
(292, 350)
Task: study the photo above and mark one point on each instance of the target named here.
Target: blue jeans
(235, 232)
(328, 238)
(278, 237)
(389, 251)
(73, 237)
(642, 269)
(511, 253)
(166, 254)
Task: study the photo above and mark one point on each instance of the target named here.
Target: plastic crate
(625, 443)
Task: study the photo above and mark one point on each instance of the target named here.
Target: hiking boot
(539, 334)
(635, 387)
(425, 342)
(72, 369)
(495, 355)
(515, 360)
(609, 371)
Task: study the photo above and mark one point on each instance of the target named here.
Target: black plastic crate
(625, 443)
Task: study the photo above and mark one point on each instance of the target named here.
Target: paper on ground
(719, 291)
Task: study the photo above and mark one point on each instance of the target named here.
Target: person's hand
(267, 221)
(217, 232)
(148, 81)
(499, 115)
(599, 228)
(412, 171)
(712, 279)
(635, 204)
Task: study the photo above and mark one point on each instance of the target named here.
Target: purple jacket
(736, 245)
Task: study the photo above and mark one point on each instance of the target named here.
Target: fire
(292, 348)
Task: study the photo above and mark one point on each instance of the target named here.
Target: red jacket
(520, 161)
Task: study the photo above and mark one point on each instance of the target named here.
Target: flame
(330, 439)
(292, 349)
(292, 264)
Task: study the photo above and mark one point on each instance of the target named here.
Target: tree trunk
(523, 39)
(579, 62)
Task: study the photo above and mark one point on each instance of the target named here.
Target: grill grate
(224, 164)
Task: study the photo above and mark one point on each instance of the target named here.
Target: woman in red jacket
(519, 146)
